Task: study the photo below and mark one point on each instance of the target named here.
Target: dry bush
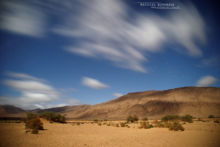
(132, 119)
(117, 125)
(159, 124)
(99, 124)
(175, 126)
(122, 124)
(145, 119)
(95, 120)
(145, 125)
(34, 124)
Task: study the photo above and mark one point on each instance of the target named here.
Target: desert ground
(87, 134)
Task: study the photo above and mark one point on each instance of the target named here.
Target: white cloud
(118, 94)
(206, 81)
(22, 18)
(22, 76)
(105, 31)
(93, 83)
(34, 92)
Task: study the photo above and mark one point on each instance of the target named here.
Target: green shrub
(211, 116)
(187, 118)
(132, 118)
(175, 126)
(170, 117)
(31, 116)
(53, 117)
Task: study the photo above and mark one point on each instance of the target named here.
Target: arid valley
(184, 117)
(196, 134)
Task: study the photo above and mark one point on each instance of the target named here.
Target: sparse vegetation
(53, 117)
(170, 117)
(160, 124)
(187, 118)
(145, 125)
(132, 119)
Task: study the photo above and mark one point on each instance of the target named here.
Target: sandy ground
(197, 134)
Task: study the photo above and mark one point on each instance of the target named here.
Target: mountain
(196, 101)
(11, 111)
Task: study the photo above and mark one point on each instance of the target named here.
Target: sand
(197, 134)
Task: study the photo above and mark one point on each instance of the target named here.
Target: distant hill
(197, 101)
(11, 111)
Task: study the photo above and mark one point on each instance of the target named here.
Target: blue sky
(55, 53)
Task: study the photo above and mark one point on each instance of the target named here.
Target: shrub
(122, 124)
(187, 118)
(117, 125)
(99, 123)
(211, 116)
(132, 118)
(53, 117)
(159, 124)
(175, 126)
(145, 125)
(34, 125)
(31, 116)
(170, 117)
(95, 120)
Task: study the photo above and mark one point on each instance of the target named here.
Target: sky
(55, 53)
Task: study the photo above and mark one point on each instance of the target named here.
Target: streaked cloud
(93, 83)
(22, 76)
(118, 94)
(108, 29)
(22, 18)
(206, 81)
(34, 92)
(104, 30)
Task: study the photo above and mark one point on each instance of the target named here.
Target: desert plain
(204, 133)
